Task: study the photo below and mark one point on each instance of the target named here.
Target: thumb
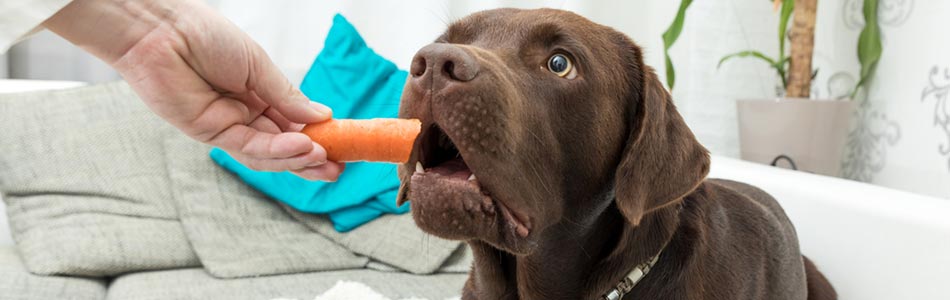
(273, 88)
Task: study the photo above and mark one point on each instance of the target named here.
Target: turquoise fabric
(356, 83)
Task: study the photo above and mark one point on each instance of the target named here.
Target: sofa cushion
(237, 231)
(197, 284)
(394, 240)
(84, 179)
(16, 283)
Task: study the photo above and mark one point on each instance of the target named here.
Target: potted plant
(791, 129)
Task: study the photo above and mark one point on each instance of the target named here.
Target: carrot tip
(376, 140)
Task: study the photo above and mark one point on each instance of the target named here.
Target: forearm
(109, 28)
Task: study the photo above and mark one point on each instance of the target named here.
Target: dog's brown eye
(561, 65)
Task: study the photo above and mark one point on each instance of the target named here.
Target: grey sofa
(105, 201)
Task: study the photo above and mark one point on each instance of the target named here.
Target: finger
(272, 87)
(327, 172)
(265, 124)
(281, 121)
(255, 105)
(262, 145)
(308, 160)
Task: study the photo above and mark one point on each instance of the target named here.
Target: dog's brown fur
(601, 167)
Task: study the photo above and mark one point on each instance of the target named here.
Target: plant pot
(803, 134)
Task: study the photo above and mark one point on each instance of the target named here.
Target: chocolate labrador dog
(557, 155)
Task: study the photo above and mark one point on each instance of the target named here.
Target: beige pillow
(83, 174)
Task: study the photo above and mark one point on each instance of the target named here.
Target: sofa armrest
(871, 242)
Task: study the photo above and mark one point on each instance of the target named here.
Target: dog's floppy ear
(662, 160)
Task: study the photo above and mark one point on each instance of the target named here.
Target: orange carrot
(382, 140)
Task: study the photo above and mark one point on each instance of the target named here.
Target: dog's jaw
(449, 200)
(453, 206)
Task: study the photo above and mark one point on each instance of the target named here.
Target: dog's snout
(437, 64)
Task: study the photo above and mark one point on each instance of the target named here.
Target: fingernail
(323, 158)
(321, 109)
(302, 174)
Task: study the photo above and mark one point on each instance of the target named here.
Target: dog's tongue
(452, 169)
(453, 174)
(449, 182)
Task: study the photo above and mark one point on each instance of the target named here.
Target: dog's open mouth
(448, 196)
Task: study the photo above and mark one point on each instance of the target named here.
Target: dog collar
(628, 282)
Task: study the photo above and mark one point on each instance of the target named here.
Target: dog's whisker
(443, 15)
(575, 223)
(581, 245)
(535, 200)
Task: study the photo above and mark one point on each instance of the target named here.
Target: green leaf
(670, 73)
(787, 7)
(869, 44)
(784, 61)
(748, 53)
(669, 37)
(779, 66)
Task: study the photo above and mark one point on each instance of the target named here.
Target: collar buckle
(628, 282)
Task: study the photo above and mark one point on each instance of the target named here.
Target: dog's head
(536, 117)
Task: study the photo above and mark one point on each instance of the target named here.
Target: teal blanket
(356, 83)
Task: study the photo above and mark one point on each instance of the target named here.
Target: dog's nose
(438, 64)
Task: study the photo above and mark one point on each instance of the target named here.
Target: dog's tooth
(419, 168)
(472, 177)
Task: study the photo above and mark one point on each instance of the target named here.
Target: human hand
(205, 76)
